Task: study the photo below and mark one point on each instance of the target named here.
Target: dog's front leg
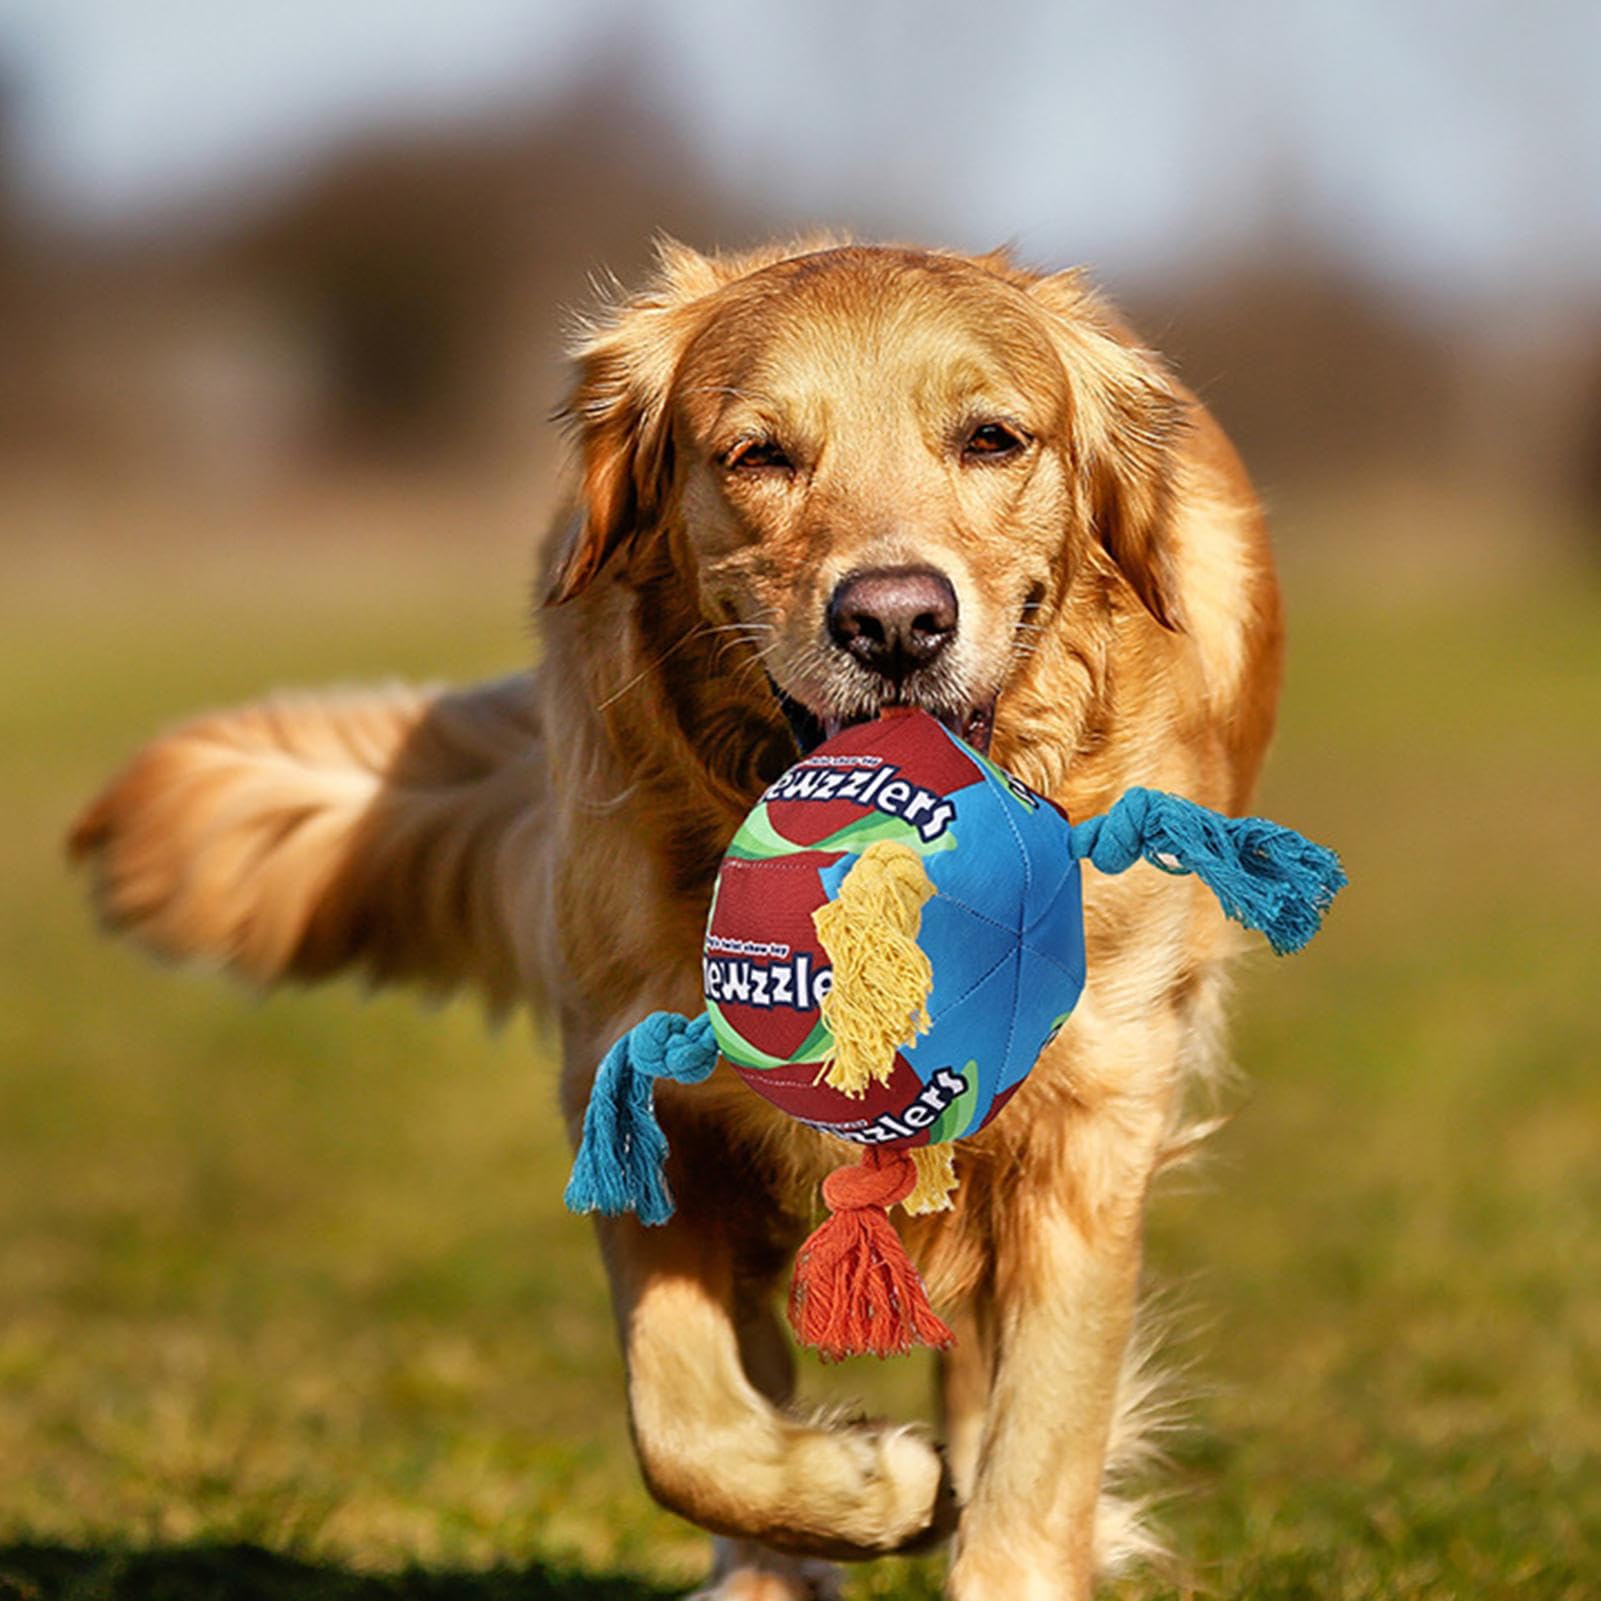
(1067, 1241)
(709, 1376)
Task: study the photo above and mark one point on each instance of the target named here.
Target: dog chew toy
(896, 933)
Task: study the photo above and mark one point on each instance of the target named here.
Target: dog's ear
(618, 409)
(1127, 417)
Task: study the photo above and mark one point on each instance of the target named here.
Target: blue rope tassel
(1267, 877)
(619, 1166)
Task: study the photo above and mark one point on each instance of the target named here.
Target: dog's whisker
(729, 628)
(720, 658)
(651, 666)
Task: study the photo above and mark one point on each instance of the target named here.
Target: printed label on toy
(945, 1088)
(733, 971)
(867, 781)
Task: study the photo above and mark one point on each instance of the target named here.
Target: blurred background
(287, 1301)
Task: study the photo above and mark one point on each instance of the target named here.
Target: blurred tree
(1314, 373)
(428, 268)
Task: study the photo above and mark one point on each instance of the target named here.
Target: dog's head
(878, 471)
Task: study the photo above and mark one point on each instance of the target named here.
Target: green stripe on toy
(818, 1046)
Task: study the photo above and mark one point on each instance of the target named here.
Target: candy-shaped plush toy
(895, 935)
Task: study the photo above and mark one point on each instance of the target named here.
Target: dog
(813, 480)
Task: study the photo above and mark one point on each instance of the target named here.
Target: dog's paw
(746, 1571)
(880, 1487)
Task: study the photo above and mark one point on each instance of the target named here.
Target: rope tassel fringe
(622, 1157)
(855, 1290)
(1264, 875)
(882, 978)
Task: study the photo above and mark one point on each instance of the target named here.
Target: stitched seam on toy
(1011, 1020)
(988, 973)
(1022, 851)
(782, 864)
(1056, 962)
(1017, 922)
(1068, 877)
(1033, 950)
(973, 911)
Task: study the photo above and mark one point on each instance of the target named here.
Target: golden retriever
(814, 480)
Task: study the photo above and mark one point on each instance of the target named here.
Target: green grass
(289, 1306)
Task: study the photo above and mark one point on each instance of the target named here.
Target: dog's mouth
(973, 723)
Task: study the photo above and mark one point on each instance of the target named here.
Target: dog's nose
(893, 619)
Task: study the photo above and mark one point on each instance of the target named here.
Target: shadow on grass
(249, 1573)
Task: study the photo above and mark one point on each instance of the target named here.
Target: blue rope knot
(621, 1157)
(669, 1045)
(1114, 841)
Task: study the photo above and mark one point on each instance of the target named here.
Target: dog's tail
(306, 835)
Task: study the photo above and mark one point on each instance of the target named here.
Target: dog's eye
(750, 454)
(992, 441)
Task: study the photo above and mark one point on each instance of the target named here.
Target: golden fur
(552, 838)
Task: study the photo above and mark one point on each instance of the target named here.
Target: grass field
(289, 1306)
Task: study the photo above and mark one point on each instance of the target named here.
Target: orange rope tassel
(855, 1289)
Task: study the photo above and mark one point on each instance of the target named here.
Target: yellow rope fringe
(882, 979)
(936, 1178)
